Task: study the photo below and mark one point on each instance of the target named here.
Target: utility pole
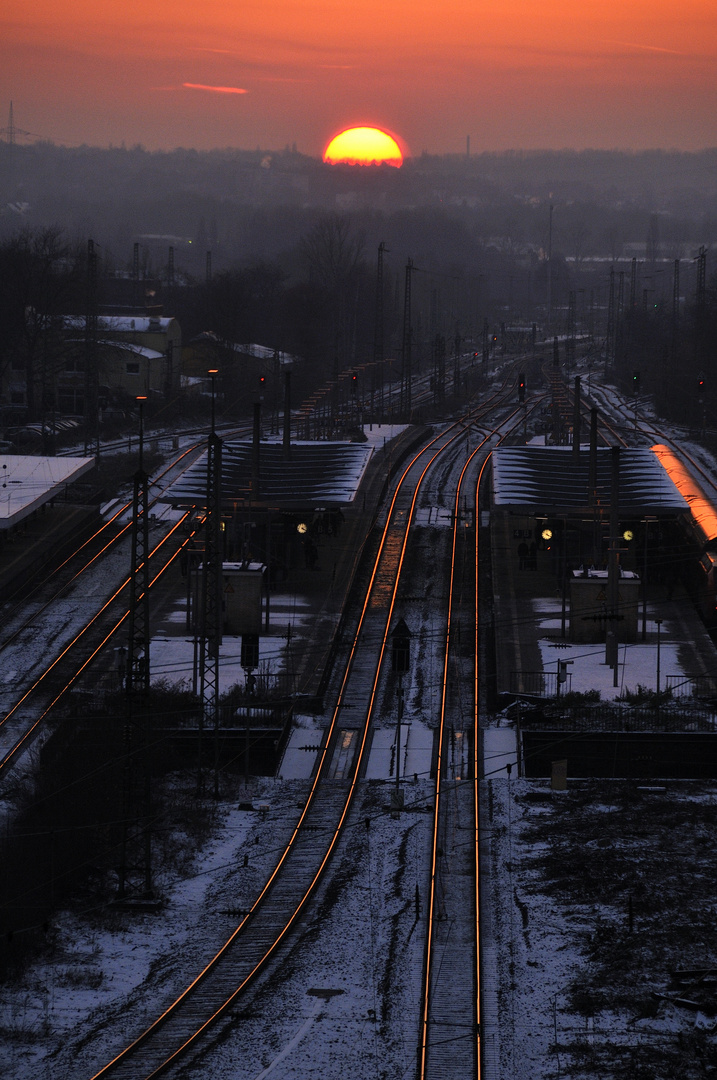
(550, 270)
(377, 382)
(576, 420)
(135, 275)
(211, 615)
(613, 568)
(406, 352)
(610, 336)
(674, 338)
(439, 368)
(484, 343)
(91, 374)
(11, 132)
(457, 363)
(570, 343)
(135, 873)
(138, 651)
(700, 302)
(620, 320)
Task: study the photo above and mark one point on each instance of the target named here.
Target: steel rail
(424, 1035)
(7, 759)
(116, 537)
(476, 771)
(124, 1055)
(437, 807)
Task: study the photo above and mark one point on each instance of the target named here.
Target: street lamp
(141, 398)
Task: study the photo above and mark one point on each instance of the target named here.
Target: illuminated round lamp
(302, 527)
(628, 534)
(547, 534)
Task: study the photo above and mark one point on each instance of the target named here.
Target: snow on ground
(606, 890)
(173, 656)
(356, 972)
(302, 748)
(559, 908)
(588, 670)
(106, 972)
(360, 954)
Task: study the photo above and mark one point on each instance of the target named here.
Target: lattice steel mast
(211, 615)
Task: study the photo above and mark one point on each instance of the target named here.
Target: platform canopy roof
(314, 474)
(549, 480)
(28, 482)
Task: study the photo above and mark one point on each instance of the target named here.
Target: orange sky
(509, 73)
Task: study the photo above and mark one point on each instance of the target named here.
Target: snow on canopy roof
(263, 352)
(129, 346)
(123, 324)
(28, 482)
(535, 479)
(315, 473)
(260, 352)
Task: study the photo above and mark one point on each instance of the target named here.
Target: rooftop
(315, 473)
(537, 479)
(29, 482)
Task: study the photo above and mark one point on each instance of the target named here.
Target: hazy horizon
(514, 74)
(293, 147)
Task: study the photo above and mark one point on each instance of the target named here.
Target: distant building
(245, 371)
(133, 355)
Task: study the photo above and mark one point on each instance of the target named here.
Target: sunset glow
(514, 74)
(363, 146)
(214, 89)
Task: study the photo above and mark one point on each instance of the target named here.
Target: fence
(697, 686)
(538, 683)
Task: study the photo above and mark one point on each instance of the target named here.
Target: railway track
(450, 1031)
(449, 1042)
(75, 618)
(360, 693)
(646, 428)
(35, 705)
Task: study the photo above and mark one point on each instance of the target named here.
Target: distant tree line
(316, 297)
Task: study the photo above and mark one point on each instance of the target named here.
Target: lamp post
(141, 398)
(213, 372)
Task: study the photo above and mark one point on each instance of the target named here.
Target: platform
(532, 628)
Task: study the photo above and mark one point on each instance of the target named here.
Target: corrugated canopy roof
(538, 479)
(315, 473)
(27, 482)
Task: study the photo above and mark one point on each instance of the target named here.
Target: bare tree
(334, 254)
(40, 276)
(333, 251)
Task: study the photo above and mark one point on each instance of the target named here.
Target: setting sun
(363, 146)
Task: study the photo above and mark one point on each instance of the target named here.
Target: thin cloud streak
(215, 89)
(646, 48)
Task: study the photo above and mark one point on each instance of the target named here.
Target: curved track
(216, 991)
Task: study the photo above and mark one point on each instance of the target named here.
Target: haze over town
(358, 540)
